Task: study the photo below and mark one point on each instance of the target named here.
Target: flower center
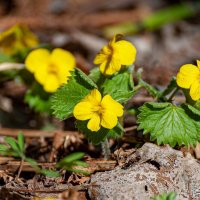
(52, 68)
(98, 109)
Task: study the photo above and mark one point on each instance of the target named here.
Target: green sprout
(169, 196)
(16, 148)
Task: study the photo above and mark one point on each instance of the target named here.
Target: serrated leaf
(119, 86)
(169, 124)
(86, 78)
(159, 105)
(101, 135)
(116, 132)
(194, 110)
(95, 74)
(171, 86)
(67, 96)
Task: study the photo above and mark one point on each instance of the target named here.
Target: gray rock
(151, 170)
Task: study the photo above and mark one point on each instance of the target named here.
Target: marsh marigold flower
(188, 77)
(50, 69)
(114, 55)
(17, 39)
(99, 111)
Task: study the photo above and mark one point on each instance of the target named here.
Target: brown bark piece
(158, 170)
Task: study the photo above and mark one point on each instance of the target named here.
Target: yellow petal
(63, 59)
(51, 84)
(94, 123)
(198, 63)
(109, 120)
(112, 106)
(187, 75)
(111, 66)
(195, 90)
(115, 39)
(102, 56)
(37, 59)
(63, 75)
(94, 97)
(126, 51)
(28, 37)
(41, 75)
(83, 110)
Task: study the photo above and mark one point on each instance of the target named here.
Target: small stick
(37, 133)
(77, 187)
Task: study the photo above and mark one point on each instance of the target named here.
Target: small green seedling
(169, 196)
(16, 148)
(71, 162)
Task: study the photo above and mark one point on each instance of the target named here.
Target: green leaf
(5, 58)
(66, 97)
(116, 132)
(88, 81)
(172, 85)
(80, 163)
(119, 86)
(99, 136)
(144, 84)
(95, 74)
(78, 171)
(32, 162)
(37, 103)
(13, 144)
(49, 173)
(21, 142)
(71, 158)
(3, 148)
(170, 124)
(193, 110)
(170, 196)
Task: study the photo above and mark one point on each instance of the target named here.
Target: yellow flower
(17, 39)
(99, 111)
(50, 69)
(189, 78)
(114, 55)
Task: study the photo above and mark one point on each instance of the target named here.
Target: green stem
(106, 149)
(173, 94)
(137, 87)
(20, 167)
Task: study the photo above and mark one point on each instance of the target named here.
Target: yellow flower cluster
(50, 69)
(117, 53)
(188, 77)
(53, 69)
(99, 111)
(16, 39)
(105, 111)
